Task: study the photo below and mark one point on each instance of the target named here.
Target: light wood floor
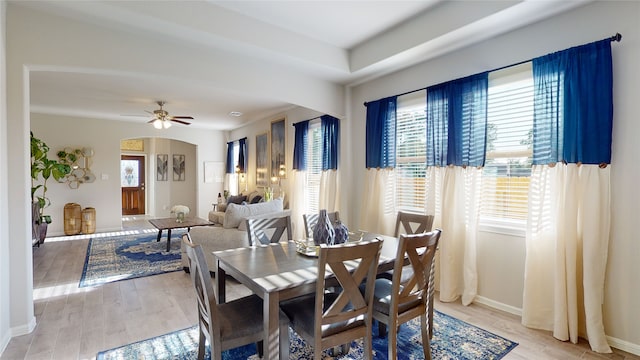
(75, 323)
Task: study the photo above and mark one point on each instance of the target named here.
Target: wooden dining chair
(413, 223)
(259, 227)
(395, 302)
(310, 221)
(329, 319)
(229, 325)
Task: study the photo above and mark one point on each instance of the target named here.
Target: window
(314, 166)
(411, 152)
(509, 149)
(509, 145)
(234, 181)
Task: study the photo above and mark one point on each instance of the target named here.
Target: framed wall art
(213, 172)
(162, 167)
(262, 160)
(178, 167)
(278, 138)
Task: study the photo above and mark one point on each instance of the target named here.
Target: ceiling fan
(162, 119)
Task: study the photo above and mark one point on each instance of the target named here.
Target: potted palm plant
(42, 168)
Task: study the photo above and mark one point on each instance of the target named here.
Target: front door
(132, 182)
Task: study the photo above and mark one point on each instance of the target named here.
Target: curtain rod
(232, 141)
(317, 117)
(617, 38)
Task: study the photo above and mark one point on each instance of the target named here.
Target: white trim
(504, 227)
(4, 342)
(613, 342)
(498, 305)
(24, 329)
(624, 345)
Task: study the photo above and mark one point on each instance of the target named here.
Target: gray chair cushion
(382, 297)
(243, 317)
(301, 312)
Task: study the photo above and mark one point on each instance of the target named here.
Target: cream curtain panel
(329, 198)
(378, 214)
(567, 240)
(298, 202)
(460, 189)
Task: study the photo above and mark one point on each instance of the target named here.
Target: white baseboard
(16, 331)
(498, 305)
(4, 342)
(624, 345)
(613, 342)
(24, 329)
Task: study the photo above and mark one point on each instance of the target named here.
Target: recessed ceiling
(340, 42)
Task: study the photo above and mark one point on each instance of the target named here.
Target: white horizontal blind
(411, 153)
(314, 166)
(509, 144)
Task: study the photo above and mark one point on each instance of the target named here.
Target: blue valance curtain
(381, 133)
(573, 109)
(330, 128)
(230, 166)
(300, 145)
(457, 122)
(242, 159)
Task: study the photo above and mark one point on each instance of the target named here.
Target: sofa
(229, 231)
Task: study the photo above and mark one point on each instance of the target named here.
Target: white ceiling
(345, 42)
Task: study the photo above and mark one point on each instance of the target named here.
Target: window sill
(504, 227)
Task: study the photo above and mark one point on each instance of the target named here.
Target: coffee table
(171, 223)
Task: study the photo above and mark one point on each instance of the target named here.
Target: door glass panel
(129, 176)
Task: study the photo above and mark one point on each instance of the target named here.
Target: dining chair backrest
(412, 223)
(311, 220)
(396, 302)
(201, 279)
(420, 250)
(351, 310)
(259, 227)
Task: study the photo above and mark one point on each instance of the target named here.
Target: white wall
(501, 258)
(105, 195)
(5, 333)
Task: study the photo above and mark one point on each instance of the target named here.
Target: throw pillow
(236, 199)
(256, 199)
(236, 214)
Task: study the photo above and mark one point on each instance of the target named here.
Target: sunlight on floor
(101, 235)
(59, 290)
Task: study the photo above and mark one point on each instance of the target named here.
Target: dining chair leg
(426, 343)
(201, 345)
(382, 329)
(392, 341)
(260, 348)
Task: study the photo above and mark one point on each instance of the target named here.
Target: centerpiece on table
(181, 211)
(326, 232)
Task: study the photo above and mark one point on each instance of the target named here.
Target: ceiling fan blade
(181, 122)
(182, 117)
(150, 121)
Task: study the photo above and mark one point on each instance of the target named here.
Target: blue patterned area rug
(452, 339)
(115, 258)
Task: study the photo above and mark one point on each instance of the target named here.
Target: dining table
(277, 272)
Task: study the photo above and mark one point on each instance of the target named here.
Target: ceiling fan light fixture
(166, 124)
(157, 123)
